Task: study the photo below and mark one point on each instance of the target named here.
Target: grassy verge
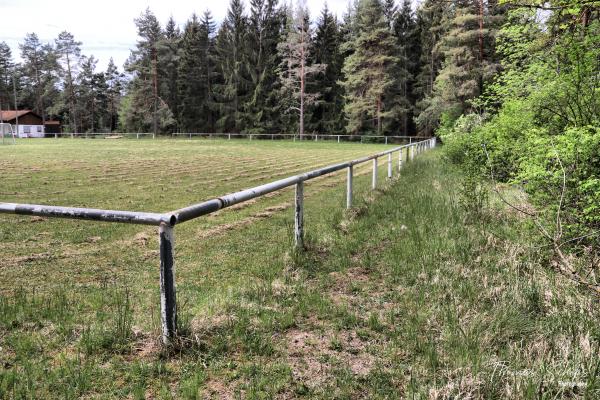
(406, 296)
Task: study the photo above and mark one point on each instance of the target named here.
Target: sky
(105, 27)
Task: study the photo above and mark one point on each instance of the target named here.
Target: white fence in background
(311, 137)
(250, 136)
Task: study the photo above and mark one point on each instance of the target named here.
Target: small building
(52, 126)
(30, 124)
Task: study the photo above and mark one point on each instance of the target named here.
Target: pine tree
(115, 82)
(91, 89)
(147, 109)
(7, 70)
(38, 75)
(296, 69)
(469, 60)
(234, 87)
(69, 53)
(368, 71)
(327, 116)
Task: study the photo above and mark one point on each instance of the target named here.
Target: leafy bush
(564, 171)
(544, 133)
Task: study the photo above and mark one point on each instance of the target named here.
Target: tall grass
(408, 295)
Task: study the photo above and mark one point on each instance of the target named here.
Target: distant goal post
(6, 130)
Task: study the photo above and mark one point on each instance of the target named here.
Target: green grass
(408, 295)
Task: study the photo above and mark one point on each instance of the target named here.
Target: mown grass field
(408, 295)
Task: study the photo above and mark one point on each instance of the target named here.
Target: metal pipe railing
(92, 214)
(167, 221)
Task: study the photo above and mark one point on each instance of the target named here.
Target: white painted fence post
(349, 188)
(390, 166)
(400, 159)
(299, 216)
(374, 180)
(168, 301)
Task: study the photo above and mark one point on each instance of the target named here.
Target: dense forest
(383, 68)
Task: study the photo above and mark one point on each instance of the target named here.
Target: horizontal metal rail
(167, 221)
(92, 214)
(210, 206)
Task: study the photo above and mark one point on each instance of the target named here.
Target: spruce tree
(369, 70)
(408, 45)
(234, 88)
(192, 82)
(69, 53)
(115, 82)
(327, 116)
(430, 30)
(209, 70)
(264, 31)
(469, 59)
(169, 63)
(147, 110)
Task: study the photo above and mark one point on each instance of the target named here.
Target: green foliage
(467, 46)
(540, 125)
(368, 71)
(563, 172)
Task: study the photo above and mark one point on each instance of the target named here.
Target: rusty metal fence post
(168, 299)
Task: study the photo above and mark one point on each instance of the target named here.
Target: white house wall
(31, 131)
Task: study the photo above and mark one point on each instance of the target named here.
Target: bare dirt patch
(313, 356)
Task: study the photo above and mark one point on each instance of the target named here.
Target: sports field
(153, 176)
(407, 295)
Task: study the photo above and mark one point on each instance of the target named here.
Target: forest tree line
(383, 68)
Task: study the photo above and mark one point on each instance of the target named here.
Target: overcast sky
(106, 27)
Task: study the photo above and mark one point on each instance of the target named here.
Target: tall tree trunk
(302, 83)
(155, 90)
(71, 94)
(93, 107)
(38, 86)
(379, 115)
